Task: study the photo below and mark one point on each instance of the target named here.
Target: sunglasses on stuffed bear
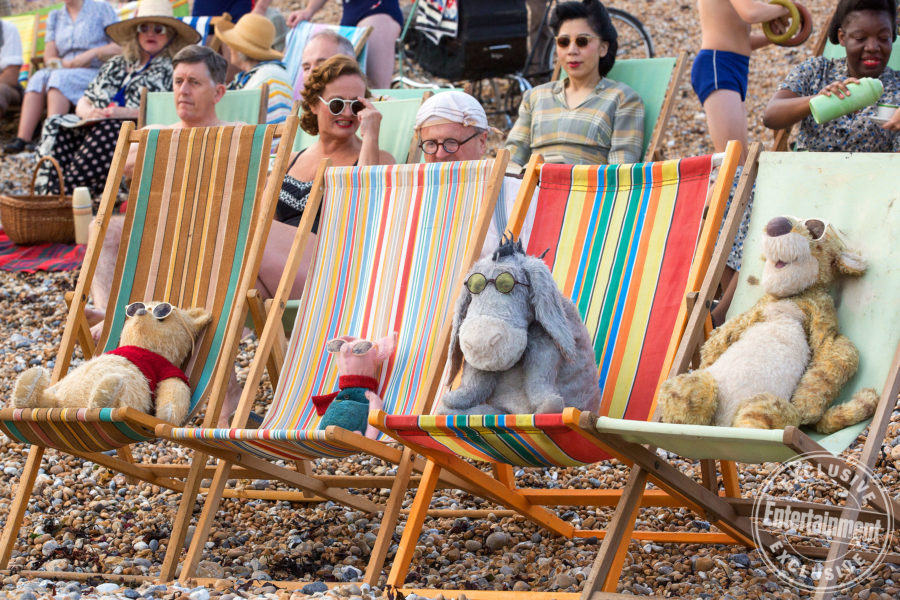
(160, 311)
(504, 283)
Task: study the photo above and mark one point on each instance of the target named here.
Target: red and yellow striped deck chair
(626, 244)
(392, 246)
(199, 209)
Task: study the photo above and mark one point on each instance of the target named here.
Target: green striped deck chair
(199, 209)
(626, 243)
(396, 135)
(236, 106)
(393, 243)
(867, 312)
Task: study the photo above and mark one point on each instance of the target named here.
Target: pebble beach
(85, 519)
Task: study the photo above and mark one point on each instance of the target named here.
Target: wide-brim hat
(253, 36)
(152, 11)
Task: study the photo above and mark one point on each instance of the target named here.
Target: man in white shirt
(10, 64)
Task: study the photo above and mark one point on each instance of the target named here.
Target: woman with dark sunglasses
(585, 117)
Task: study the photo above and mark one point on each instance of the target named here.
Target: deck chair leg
(730, 478)
(20, 504)
(183, 517)
(414, 522)
(390, 518)
(709, 476)
(304, 467)
(608, 565)
(204, 525)
(125, 455)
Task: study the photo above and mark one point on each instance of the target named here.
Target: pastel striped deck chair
(199, 209)
(298, 37)
(393, 244)
(26, 25)
(867, 314)
(626, 243)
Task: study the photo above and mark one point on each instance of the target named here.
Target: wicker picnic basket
(33, 218)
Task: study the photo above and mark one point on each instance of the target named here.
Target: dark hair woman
(584, 118)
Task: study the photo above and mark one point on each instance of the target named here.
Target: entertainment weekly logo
(867, 535)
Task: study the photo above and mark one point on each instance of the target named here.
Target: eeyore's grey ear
(459, 315)
(548, 306)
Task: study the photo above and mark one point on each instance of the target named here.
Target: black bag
(491, 41)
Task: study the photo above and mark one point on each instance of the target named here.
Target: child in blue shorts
(719, 77)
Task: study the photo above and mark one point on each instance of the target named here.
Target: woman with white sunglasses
(585, 117)
(336, 107)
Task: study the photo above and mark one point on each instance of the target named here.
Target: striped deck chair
(299, 35)
(26, 25)
(626, 243)
(868, 316)
(392, 245)
(199, 209)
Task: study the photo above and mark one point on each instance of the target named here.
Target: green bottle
(862, 94)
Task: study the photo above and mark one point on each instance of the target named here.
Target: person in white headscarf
(450, 126)
(453, 126)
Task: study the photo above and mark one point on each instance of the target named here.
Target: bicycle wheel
(634, 41)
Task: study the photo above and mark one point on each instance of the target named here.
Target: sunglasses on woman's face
(581, 40)
(336, 105)
(154, 27)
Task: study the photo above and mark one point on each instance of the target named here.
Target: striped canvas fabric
(620, 242)
(26, 26)
(392, 244)
(191, 214)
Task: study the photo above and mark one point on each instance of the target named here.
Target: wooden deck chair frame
(318, 488)
(653, 148)
(260, 116)
(731, 510)
(499, 486)
(242, 231)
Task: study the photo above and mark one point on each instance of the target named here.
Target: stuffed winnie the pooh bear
(155, 340)
(782, 362)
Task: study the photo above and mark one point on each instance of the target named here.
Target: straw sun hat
(253, 36)
(152, 11)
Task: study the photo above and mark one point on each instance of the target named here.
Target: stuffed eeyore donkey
(526, 349)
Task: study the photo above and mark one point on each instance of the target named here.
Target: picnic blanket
(39, 257)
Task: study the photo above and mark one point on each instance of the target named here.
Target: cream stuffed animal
(782, 362)
(155, 340)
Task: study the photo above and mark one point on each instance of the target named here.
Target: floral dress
(85, 152)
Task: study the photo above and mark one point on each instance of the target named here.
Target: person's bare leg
(380, 61)
(32, 107)
(726, 116)
(57, 104)
(102, 282)
(729, 284)
(278, 246)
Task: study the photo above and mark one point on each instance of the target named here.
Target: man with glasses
(452, 126)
